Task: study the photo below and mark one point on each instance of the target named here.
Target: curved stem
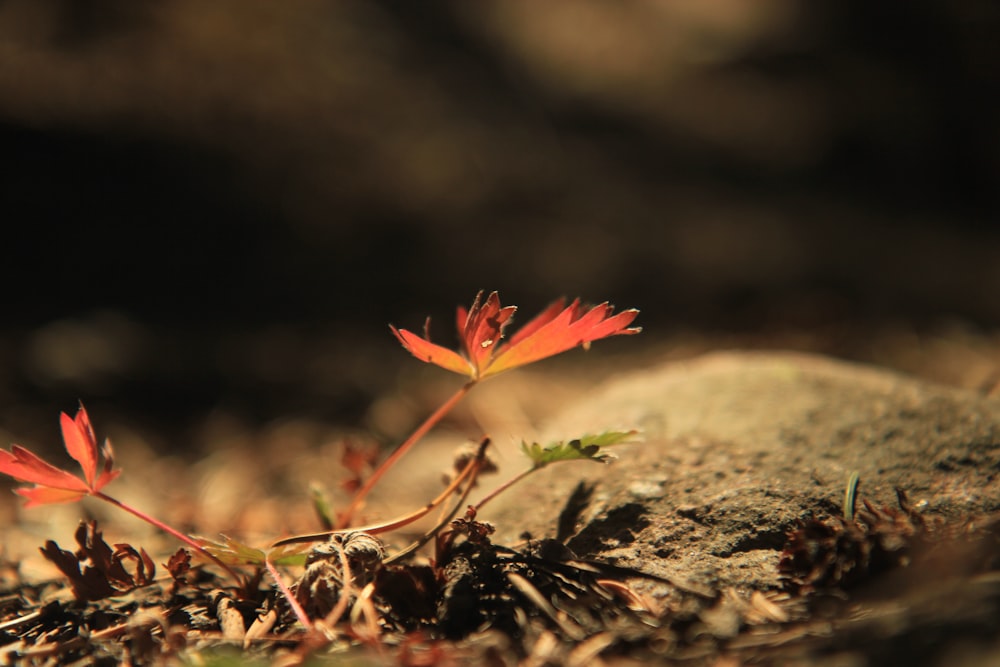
(445, 520)
(506, 485)
(344, 519)
(468, 474)
(186, 539)
(300, 613)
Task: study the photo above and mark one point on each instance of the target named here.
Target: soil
(721, 538)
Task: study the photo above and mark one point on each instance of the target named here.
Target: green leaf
(587, 447)
(234, 552)
(321, 505)
(289, 554)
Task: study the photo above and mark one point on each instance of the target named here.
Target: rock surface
(740, 447)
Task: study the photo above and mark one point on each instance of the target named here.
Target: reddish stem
(433, 532)
(345, 517)
(469, 473)
(297, 609)
(506, 485)
(186, 539)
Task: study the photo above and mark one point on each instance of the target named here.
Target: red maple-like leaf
(481, 329)
(53, 484)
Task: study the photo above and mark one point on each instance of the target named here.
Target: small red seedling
(484, 353)
(55, 485)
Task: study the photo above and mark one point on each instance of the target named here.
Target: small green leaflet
(233, 552)
(586, 447)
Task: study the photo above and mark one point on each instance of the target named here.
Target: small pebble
(646, 490)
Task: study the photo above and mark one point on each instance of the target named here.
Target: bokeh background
(217, 207)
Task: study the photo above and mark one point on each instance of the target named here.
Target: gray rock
(740, 447)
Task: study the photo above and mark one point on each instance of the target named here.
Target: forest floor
(722, 537)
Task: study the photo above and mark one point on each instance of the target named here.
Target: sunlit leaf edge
(587, 447)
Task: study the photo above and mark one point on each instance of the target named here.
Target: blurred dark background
(223, 204)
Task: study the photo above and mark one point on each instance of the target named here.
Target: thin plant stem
(468, 473)
(446, 519)
(345, 517)
(186, 539)
(506, 485)
(297, 609)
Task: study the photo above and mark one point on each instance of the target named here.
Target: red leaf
(538, 321)
(44, 495)
(55, 485)
(25, 466)
(78, 435)
(564, 332)
(107, 474)
(481, 329)
(424, 350)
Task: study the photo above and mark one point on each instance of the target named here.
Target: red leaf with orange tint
(566, 330)
(55, 485)
(424, 350)
(25, 466)
(481, 330)
(78, 435)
